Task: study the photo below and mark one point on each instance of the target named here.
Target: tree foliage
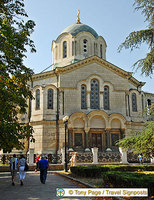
(136, 38)
(14, 39)
(141, 142)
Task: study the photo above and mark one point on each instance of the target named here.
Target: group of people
(14, 165)
(20, 164)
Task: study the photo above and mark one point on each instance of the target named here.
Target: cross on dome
(78, 19)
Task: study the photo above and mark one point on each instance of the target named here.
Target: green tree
(15, 34)
(136, 38)
(141, 141)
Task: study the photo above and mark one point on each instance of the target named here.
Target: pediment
(102, 63)
(94, 59)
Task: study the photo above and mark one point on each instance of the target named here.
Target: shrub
(128, 179)
(95, 171)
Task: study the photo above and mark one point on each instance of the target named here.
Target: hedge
(95, 171)
(128, 179)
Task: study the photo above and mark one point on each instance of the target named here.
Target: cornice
(90, 60)
(43, 75)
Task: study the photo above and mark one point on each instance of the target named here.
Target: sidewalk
(33, 189)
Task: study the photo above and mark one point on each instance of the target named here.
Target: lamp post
(65, 120)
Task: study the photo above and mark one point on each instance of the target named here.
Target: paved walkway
(33, 189)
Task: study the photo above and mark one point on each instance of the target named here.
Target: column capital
(86, 130)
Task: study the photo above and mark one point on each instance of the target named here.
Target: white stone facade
(89, 127)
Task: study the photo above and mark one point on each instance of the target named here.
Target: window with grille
(114, 139)
(83, 97)
(78, 139)
(94, 96)
(37, 99)
(134, 103)
(106, 98)
(64, 49)
(50, 98)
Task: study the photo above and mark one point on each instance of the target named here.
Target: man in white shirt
(13, 167)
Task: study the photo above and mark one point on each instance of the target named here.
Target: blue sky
(112, 19)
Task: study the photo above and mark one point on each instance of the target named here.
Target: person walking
(13, 167)
(140, 157)
(37, 161)
(43, 165)
(73, 159)
(22, 173)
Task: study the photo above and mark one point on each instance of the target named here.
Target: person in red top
(37, 160)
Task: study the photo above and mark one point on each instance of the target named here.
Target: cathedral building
(102, 101)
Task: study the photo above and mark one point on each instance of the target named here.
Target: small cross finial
(78, 19)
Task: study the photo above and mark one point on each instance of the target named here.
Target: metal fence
(82, 157)
(133, 158)
(105, 157)
(5, 158)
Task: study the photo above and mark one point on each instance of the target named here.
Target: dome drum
(75, 43)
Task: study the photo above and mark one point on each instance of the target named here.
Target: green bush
(83, 171)
(118, 175)
(128, 179)
(95, 171)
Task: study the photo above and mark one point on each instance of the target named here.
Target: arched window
(134, 103)
(64, 49)
(101, 51)
(106, 98)
(50, 99)
(149, 102)
(83, 97)
(37, 99)
(94, 96)
(85, 47)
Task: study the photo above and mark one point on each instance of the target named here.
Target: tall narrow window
(106, 98)
(134, 103)
(94, 96)
(85, 47)
(148, 106)
(64, 49)
(83, 97)
(95, 49)
(50, 99)
(37, 99)
(73, 45)
(75, 48)
(101, 51)
(149, 102)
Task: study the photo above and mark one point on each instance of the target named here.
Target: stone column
(123, 156)
(152, 160)
(126, 103)
(87, 139)
(95, 155)
(63, 155)
(88, 99)
(108, 142)
(101, 100)
(31, 156)
(70, 141)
